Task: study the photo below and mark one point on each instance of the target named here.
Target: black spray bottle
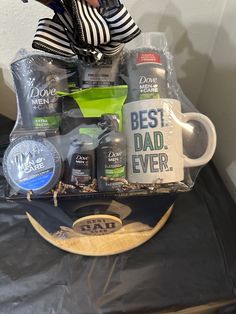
(111, 155)
(80, 163)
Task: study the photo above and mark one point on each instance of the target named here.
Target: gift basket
(120, 126)
(103, 126)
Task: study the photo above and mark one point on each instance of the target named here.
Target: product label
(46, 122)
(38, 181)
(115, 172)
(31, 165)
(97, 77)
(81, 169)
(100, 75)
(152, 84)
(93, 132)
(45, 102)
(44, 98)
(145, 57)
(148, 79)
(114, 161)
(114, 167)
(149, 87)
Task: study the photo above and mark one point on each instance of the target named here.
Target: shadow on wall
(7, 98)
(190, 64)
(218, 102)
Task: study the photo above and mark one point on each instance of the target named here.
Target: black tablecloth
(192, 261)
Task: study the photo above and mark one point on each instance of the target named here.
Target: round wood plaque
(120, 240)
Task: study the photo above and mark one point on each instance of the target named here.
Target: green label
(46, 122)
(93, 132)
(144, 96)
(115, 173)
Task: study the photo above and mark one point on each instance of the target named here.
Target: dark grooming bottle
(80, 163)
(147, 75)
(111, 156)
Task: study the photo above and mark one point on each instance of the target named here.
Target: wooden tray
(127, 238)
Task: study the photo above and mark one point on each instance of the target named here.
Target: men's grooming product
(94, 102)
(73, 119)
(32, 163)
(80, 163)
(105, 73)
(37, 79)
(146, 75)
(111, 156)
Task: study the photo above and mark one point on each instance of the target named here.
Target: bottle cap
(84, 141)
(111, 121)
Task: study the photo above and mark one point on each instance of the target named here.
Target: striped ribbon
(86, 31)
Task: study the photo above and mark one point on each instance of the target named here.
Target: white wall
(218, 98)
(201, 35)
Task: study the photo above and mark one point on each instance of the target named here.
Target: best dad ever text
(146, 144)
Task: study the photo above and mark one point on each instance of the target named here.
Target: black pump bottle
(111, 155)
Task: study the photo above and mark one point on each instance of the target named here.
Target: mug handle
(212, 140)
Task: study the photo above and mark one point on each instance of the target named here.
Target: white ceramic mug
(154, 130)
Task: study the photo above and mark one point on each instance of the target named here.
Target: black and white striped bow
(86, 31)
